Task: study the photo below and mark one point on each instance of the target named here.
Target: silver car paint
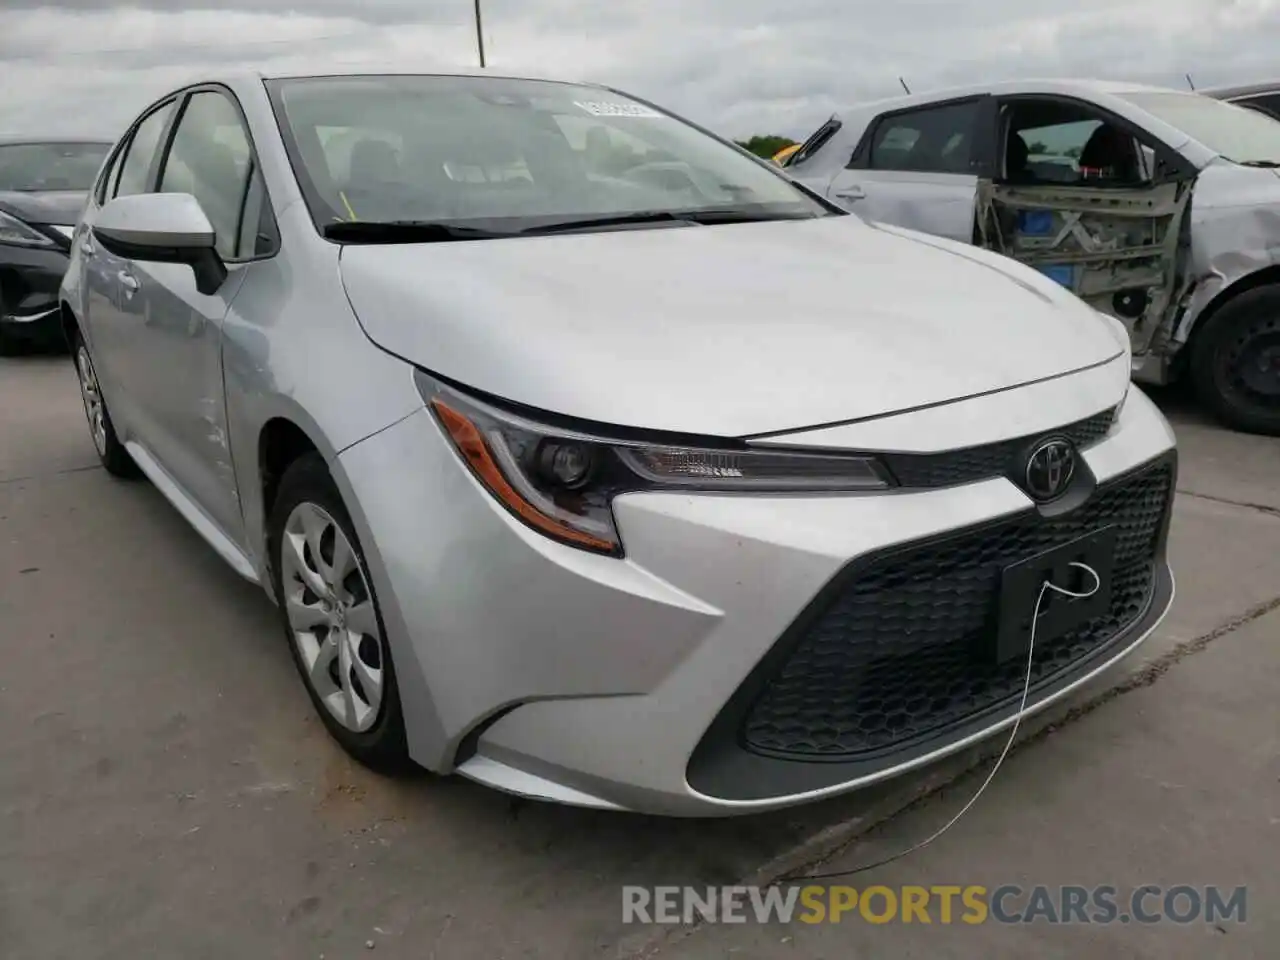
(695, 317)
(783, 550)
(1235, 211)
(624, 649)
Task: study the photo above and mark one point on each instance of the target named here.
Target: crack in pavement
(1261, 507)
(5, 481)
(835, 839)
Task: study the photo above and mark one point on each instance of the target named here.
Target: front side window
(141, 152)
(933, 140)
(33, 167)
(511, 153)
(210, 159)
(1056, 141)
(1234, 132)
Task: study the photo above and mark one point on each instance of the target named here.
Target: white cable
(1046, 586)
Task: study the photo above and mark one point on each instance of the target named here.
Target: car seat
(1111, 152)
(1015, 158)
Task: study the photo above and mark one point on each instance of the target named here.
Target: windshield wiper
(407, 231)
(741, 215)
(703, 217)
(1265, 164)
(616, 220)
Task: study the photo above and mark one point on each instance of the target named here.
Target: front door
(1082, 198)
(178, 361)
(916, 169)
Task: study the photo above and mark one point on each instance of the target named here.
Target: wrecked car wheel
(1235, 362)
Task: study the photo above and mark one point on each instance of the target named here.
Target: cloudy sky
(742, 66)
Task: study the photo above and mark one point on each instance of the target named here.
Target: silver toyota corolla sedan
(588, 457)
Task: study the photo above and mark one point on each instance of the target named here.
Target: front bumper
(552, 673)
(29, 282)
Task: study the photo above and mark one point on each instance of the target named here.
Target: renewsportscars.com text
(939, 903)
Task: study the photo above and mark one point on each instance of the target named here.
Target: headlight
(16, 233)
(562, 482)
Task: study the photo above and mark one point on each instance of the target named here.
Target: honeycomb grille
(991, 460)
(893, 656)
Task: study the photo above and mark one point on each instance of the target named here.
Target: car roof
(1082, 88)
(341, 69)
(1241, 90)
(14, 139)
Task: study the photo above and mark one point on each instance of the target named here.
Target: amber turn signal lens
(471, 444)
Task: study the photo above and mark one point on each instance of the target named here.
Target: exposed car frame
(1199, 260)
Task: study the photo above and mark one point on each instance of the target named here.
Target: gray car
(588, 457)
(1263, 96)
(1158, 207)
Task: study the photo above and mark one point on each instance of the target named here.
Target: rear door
(1092, 202)
(917, 168)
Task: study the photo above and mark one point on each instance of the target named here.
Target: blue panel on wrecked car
(1035, 223)
(1060, 273)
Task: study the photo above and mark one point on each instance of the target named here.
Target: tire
(111, 452)
(339, 655)
(1235, 362)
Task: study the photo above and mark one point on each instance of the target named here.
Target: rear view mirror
(163, 228)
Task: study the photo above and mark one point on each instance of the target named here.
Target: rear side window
(817, 140)
(932, 140)
(140, 153)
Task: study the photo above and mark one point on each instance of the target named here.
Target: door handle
(128, 282)
(851, 193)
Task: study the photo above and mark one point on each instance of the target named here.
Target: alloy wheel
(91, 395)
(331, 617)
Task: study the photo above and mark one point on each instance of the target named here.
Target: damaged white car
(1158, 207)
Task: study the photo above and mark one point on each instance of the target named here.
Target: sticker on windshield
(603, 108)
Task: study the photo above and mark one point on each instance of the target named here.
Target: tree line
(765, 145)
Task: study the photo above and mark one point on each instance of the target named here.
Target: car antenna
(1189, 83)
(904, 85)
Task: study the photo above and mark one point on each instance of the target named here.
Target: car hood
(727, 330)
(60, 208)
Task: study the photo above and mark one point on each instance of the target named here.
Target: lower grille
(893, 656)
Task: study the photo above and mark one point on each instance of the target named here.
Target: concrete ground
(166, 792)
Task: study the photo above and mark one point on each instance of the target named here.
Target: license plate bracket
(1020, 585)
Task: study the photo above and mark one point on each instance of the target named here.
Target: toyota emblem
(1050, 468)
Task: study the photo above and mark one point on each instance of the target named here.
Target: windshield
(31, 167)
(1237, 133)
(509, 155)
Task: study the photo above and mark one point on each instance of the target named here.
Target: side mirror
(163, 228)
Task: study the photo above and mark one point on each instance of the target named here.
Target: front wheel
(332, 620)
(1235, 362)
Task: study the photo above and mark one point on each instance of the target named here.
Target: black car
(44, 184)
(1263, 97)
